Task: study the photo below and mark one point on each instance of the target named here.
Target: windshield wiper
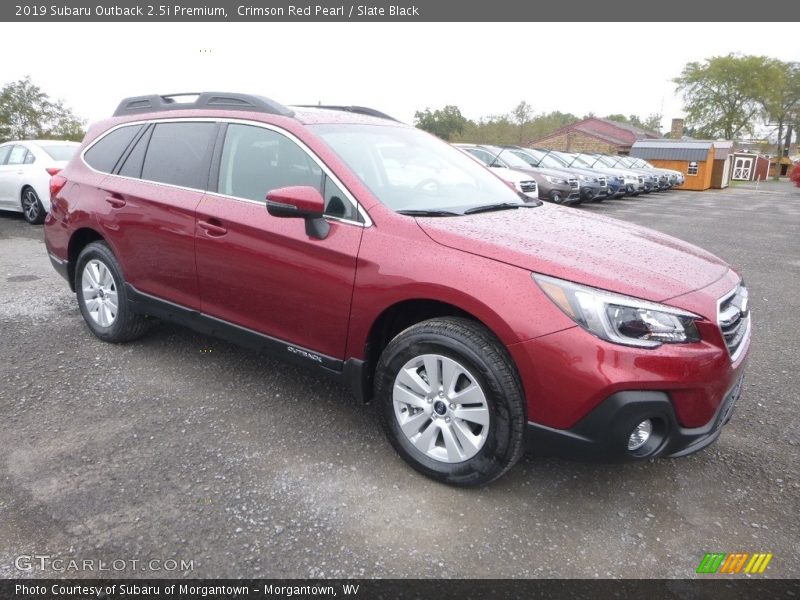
(500, 206)
(414, 212)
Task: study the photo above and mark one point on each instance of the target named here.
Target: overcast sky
(395, 67)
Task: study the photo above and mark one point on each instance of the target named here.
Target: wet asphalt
(181, 447)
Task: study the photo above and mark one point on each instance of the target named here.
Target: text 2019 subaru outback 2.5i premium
(341, 239)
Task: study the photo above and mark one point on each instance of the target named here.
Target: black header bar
(664, 17)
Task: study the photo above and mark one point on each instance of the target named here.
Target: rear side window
(60, 151)
(179, 153)
(4, 152)
(132, 167)
(103, 155)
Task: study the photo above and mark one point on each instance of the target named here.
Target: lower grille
(733, 317)
(529, 187)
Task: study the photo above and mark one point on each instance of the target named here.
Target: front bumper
(589, 191)
(603, 433)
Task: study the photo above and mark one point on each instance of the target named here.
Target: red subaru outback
(338, 238)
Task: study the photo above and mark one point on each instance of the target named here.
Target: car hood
(584, 248)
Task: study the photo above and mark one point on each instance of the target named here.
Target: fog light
(640, 435)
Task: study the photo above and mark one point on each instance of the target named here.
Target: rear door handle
(212, 227)
(115, 200)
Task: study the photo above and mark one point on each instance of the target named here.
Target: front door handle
(212, 227)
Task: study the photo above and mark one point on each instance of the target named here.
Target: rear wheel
(32, 208)
(102, 298)
(450, 401)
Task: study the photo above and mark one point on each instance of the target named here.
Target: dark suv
(343, 240)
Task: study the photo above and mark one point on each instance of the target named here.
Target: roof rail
(218, 100)
(361, 110)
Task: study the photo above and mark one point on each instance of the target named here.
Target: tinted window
(257, 160)
(60, 151)
(17, 156)
(4, 152)
(103, 155)
(132, 167)
(178, 154)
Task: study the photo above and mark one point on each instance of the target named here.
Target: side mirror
(300, 201)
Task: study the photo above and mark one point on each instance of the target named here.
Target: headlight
(620, 319)
(555, 179)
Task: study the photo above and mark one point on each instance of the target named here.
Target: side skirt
(351, 372)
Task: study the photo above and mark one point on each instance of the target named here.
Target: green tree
(779, 97)
(521, 116)
(721, 94)
(26, 111)
(443, 123)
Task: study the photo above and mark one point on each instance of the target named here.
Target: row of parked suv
(572, 178)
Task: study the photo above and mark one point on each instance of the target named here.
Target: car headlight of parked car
(620, 319)
(552, 179)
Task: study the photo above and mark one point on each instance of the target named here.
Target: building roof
(666, 149)
(619, 134)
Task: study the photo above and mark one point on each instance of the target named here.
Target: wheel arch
(401, 315)
(77, 242)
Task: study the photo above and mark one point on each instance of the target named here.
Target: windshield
(410, 170)
(60, 151)
(509, 158)
(602, 160)
(575, 161)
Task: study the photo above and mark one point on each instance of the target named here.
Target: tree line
(518, 126)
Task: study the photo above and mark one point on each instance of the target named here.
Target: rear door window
(17, 155)
(4, 152)
(179, 154)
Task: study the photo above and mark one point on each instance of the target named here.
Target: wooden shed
(693, 158)
(780, 166)
(749, 166)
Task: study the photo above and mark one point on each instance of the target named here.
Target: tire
(32, 208)
(440, 436)
(556, 198)
(102, 298)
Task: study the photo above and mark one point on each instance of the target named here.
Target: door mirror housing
(300, 201)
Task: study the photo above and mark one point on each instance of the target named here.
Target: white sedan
(25, 171)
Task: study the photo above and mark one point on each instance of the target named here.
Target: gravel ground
(182, 447)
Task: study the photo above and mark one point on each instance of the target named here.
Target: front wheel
(102, 297)
(450, 401)
(32, 208)
(557, 198)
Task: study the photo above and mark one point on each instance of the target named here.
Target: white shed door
(743, 167)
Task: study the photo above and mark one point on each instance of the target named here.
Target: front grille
(602, 182)
(641, 179)
(529, 187)
(733, 317)
(573, 183)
